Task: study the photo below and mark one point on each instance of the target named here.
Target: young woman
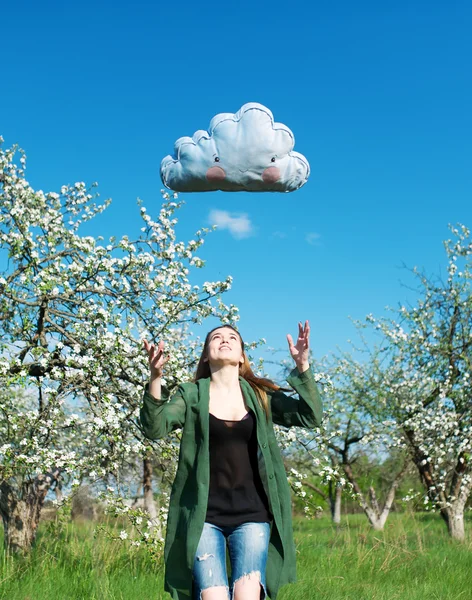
(231, 488)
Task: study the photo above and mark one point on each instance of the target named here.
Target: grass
(412, 559)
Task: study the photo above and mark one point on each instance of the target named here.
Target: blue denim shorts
(247, 545)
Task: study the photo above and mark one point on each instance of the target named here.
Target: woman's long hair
(258, 384)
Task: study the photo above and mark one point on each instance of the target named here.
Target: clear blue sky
(378, 95)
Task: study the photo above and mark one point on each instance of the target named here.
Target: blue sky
(378, 96)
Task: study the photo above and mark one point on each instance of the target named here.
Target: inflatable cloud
(246, 151)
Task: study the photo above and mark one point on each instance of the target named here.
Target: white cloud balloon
(245, 151)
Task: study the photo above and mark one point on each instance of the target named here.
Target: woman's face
(224, 347)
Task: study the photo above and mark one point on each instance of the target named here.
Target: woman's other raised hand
(301, 349)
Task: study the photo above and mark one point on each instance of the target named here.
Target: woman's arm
(305, 411)
(161, 416)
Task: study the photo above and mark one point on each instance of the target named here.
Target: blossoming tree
(356, 430)
(428, 386)
(72, 311)
(359, 428)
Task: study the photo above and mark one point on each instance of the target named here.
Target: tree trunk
(21, 511)
(373, 500)
(331, 497)
(149, 505)
(377, 518)
(383, 514)
(336, 509)
(20, 526)
(456, 526)
(371, 515)
(452, 512)
(454, 517)
(335, 492)
(58, 490)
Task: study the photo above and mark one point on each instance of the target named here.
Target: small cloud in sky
(313, 238)
(279, 234)
(239, 225)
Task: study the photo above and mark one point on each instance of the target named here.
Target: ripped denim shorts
(247, 545)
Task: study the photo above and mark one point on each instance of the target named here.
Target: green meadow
(412, 559)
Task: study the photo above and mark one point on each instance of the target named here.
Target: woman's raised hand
(301, 349)
(156, 357)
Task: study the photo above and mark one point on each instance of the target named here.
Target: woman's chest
(230, 407)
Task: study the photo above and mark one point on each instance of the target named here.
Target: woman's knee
(248, 587)
(217, 592)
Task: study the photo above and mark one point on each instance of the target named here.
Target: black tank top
(236, 493)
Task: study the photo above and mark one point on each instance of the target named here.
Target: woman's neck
(225, 378)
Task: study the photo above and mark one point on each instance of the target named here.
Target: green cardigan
(188, 409)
